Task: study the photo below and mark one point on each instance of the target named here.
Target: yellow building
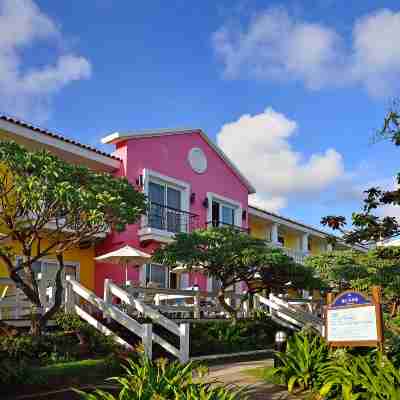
(79, 262)
(297, 239)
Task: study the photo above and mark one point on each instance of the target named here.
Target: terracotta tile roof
(28, 125)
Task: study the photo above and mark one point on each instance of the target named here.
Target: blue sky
(292, 90)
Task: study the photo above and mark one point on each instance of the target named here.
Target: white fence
(289, 315)
(111, 311)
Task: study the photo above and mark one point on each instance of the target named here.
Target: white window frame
(75, 264)
(237, 206)
(184, 187)
(142, 274)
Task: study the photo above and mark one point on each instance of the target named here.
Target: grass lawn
(70, 374)
(83, 369)
(258, 372)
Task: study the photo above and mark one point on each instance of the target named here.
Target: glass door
(157, 206)
(174, 218)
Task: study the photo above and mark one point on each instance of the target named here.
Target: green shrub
(302, 361)
(148, 380)
(68, 321)
(13, 372)
(371, 377)
(224, 337)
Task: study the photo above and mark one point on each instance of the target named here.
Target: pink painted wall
(168, 155)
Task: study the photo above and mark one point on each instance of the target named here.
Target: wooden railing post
(147, 340)
(184, 343)
(69, 295)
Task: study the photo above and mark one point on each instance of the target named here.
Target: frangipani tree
(48, 206)
(226, 254)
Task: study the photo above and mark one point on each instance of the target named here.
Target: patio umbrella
(126, 255)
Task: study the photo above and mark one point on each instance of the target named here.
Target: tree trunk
(57, 297)
(229, 309)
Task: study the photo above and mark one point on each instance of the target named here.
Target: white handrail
(143, 308)
(143, 331)
(181, 330)
(289, 314)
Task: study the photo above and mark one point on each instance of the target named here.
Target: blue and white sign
(350, 298)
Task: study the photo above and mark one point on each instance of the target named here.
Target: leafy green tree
(360, 271)
(226, 254)
(48, 206)
(367, 225)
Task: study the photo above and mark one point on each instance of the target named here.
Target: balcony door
(222, 214)
(165, 207)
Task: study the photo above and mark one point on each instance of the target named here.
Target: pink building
(190, 184)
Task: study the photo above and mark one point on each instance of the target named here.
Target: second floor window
(165, 207)
(222, 214)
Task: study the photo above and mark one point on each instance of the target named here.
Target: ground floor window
(157, 274)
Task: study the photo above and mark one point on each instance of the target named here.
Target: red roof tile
(54, 135)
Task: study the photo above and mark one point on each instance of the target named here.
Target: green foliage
(57, 346)
(360, 271)
(148, 380)
(224, 337)
(68, 321)
(23, 373)
(38, 190)
(302, 361)
(225, 253)
(371, 377)
(13, 372)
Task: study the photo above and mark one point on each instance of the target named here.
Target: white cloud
(259, 144)
(276, 46)
(27, 92)
(376, 60)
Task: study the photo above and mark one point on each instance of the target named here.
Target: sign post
(353, 320)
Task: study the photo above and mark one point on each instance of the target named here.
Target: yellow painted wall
(85, 258)
(316, 246)
(257, 229)
(291, 241)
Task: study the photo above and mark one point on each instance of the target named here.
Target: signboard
(348, 298)
(353, 320)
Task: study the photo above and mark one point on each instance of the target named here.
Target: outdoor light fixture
(139, 180)
(244, 215)
(205, 202)
(192, 197)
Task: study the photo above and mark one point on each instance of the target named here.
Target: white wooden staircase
(75, 293)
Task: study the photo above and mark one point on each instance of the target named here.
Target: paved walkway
(235, 373)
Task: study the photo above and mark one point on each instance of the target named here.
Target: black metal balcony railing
(217, 223)
(170, 219)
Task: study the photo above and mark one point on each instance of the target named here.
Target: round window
(197, 160)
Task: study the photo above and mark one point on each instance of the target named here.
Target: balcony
(297, 255)
(216, 224)
(161, 223)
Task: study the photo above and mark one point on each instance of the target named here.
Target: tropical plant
(301, 362)
(49, 206)
(148, 380)
(225, 253)
(369, 377)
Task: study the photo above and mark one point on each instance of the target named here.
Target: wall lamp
(139, 181)
(244, 215)
(205, 202)
(192, 197)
